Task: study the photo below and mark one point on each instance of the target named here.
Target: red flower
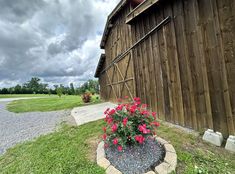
(154, 115)
(133, 108)
(105, 112)
(119, 107)
(126, 97)
(145, 112)
(104, 137)
(124, 121)
(157, 124)
(108, 119)
(104, 129)
(137, 99)
(114, 127)
(119, 148)
(137, 103)
(142, 128)
(115, 141)
(112, 112)
(139, 138)
(144, 105)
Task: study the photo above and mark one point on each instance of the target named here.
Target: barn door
(120, 78)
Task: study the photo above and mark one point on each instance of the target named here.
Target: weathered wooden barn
(178, 56)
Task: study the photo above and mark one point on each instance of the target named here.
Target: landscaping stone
(170, 148)
(171, 158)
(230, 144)
(212, 137)
(150, 172)
(112, 170)
(163, 168)
(103, 162)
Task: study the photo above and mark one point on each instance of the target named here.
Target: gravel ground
(17, 128)
(137, 159)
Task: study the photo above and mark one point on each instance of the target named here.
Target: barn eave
(100, 65)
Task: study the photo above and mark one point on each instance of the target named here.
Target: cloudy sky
(56, 40)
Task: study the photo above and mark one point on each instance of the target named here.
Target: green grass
(196, 156)
(72, 150)
(62, 152)
(22, 95)
(48, 104)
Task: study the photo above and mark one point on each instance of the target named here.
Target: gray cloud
(57, 40)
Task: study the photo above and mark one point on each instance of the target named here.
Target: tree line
(35, 86)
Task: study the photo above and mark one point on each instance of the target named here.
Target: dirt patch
(92, 143)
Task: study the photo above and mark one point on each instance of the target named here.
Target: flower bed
(129, 139)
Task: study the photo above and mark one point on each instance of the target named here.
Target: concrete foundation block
(230, 144)
(212, 137)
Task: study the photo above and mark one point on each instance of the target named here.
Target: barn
(177, 56)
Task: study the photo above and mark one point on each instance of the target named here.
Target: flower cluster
(129, 124)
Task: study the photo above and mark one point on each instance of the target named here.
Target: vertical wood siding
(185, 70)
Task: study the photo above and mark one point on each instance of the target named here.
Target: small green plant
(86, 97)
(129, 124)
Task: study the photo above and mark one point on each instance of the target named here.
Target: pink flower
(154, 115)
(139, 138)
(119, 107)
(145, 112)
(124, 121)
(114, 127)
(126, 97)
(133, 108)
(115, 141)
(142, 128)
(104, 129)
(104, 137)
(137, 99)
(112, 112)
(119, 148)
(144, 105)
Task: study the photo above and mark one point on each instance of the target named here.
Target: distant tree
(4, 91)
(18, 89)
(72, 90)
(59, 91)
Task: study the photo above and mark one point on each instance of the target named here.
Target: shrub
(86, 97)
(129, 124)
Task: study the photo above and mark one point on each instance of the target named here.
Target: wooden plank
(164, 65)
(146, 61)
(178, 113)
(225, 25)
(158, 71)
(151, 66)
(213, 61)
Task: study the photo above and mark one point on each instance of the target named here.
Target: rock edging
(166, 167)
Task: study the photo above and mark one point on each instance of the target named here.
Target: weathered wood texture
(117, 81)
(185, 70)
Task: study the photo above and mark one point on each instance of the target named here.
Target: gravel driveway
(16, 128)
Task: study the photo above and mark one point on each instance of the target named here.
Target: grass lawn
(73, 149)
(48, 104)
(22, 95)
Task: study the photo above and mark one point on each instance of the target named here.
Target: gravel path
(17, 128)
